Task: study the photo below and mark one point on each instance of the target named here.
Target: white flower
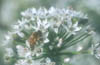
(66, 60)
(79, 48)
(38, 51)
(46, 40)
(28, 62)
(42, 13)
(8, 39)
(33, 11)
(52, 11)
(49, 62)
(20, 34)
(20, 25)
(60, 42)
(41, 25)
(52, 22)
(23, 22)
(27, 13)
(23, 52)
(73, 28)
(9, 52)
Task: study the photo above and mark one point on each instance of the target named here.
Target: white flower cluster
(45, 21)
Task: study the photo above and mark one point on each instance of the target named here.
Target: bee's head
(39, 33)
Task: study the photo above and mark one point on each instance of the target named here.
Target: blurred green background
(10, 13)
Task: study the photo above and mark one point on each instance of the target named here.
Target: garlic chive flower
(60, 28)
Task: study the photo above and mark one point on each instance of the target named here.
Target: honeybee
(35, 36)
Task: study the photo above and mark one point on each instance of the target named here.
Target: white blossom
(9, 52)
(66, 60)
(79, 48)
(52, 22)
(23, 52)
(27, 62)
